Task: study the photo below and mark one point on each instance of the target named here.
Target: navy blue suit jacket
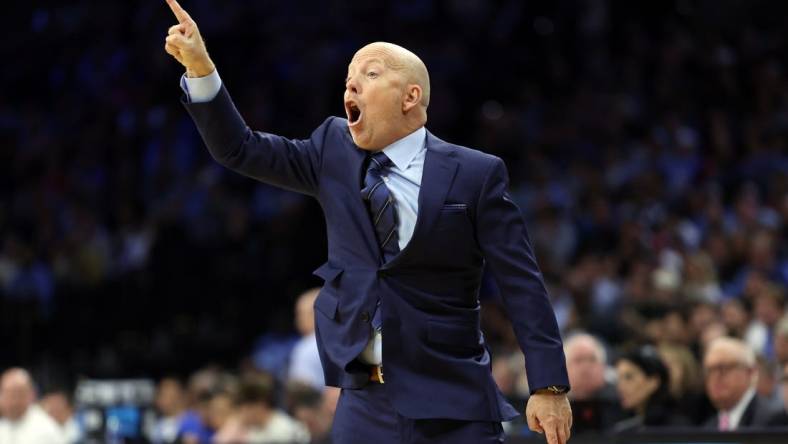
(436, 362)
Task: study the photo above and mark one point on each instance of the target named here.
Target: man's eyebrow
(364, 64)
(368, 62)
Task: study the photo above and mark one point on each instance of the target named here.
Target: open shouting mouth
(354, 113)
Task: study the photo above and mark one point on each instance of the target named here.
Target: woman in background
(644, 389)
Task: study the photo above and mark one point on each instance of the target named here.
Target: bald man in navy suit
(411, 221)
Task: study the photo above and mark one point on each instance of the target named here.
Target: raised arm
(186, 45)
(286, 163)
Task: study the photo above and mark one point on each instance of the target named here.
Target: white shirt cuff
(201, 89)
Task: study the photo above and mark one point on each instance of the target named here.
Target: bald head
(585, 361)
(16, 393)
(403, 61)
(304, 311)
(387, 91)
(585, 343)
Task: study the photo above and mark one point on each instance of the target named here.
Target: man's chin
(364, 144)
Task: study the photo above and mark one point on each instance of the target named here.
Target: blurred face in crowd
(220, 409)
(767, 381)
(781, 346)
(701, 317)
(586, 366)
(729, 370)
(504, 377)
(58, 407)
(386, 95)
(674, 329)
(735, 316)
(170, 397)
(253, 414)
(634, 386)
(681, 369)
(304, 312)
(16, 394)
(768, 308)
(712, 332)
(784, 387)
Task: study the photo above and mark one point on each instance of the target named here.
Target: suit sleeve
(286, 163)
(507, 249)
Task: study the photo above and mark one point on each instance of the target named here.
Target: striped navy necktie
(380, 205)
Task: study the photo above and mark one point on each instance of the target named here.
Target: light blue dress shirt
(403, 178)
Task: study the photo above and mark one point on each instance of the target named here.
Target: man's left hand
(551, 415)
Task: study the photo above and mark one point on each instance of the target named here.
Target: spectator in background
(309, 406)
(508, 370)
(768, 308)
(221, 408)
(736, 315)
(685, 382)
(731, 377)
(305, 361)
(58, 404)
(595, 406)
(700, 279)
(713, 331)
(768, 383)
(702, 316)
(258, 420)
(170, 404)
(21, 420)
(644, 389)
(781, 341)
(195, 424)
(784, 388)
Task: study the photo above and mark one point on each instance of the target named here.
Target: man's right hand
(186, 45)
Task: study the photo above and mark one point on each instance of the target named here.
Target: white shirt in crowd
(35, 427)
(280, 428)
(735, 414)
(305, 363)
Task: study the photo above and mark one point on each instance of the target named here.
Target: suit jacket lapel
(436, 180)
(748, 417)
(356, 178)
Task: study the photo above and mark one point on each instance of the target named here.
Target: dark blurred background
(646, 143)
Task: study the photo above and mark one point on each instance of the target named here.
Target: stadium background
(646, 143)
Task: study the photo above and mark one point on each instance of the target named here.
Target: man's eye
(372, 74)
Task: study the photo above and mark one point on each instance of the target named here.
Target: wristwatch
(554, 389)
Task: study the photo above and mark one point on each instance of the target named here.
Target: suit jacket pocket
(327, 303)
(327, 300)
(452, 333)
(454, 208)
(453, 217)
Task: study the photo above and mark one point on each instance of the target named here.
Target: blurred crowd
(285, 404)
(646, 144)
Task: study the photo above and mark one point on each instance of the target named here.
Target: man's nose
(351, 86)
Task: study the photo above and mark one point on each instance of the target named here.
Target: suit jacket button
(365, 316)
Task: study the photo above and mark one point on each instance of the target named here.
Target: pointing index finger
(179, 12)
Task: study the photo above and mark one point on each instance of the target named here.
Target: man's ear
(412, 97)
